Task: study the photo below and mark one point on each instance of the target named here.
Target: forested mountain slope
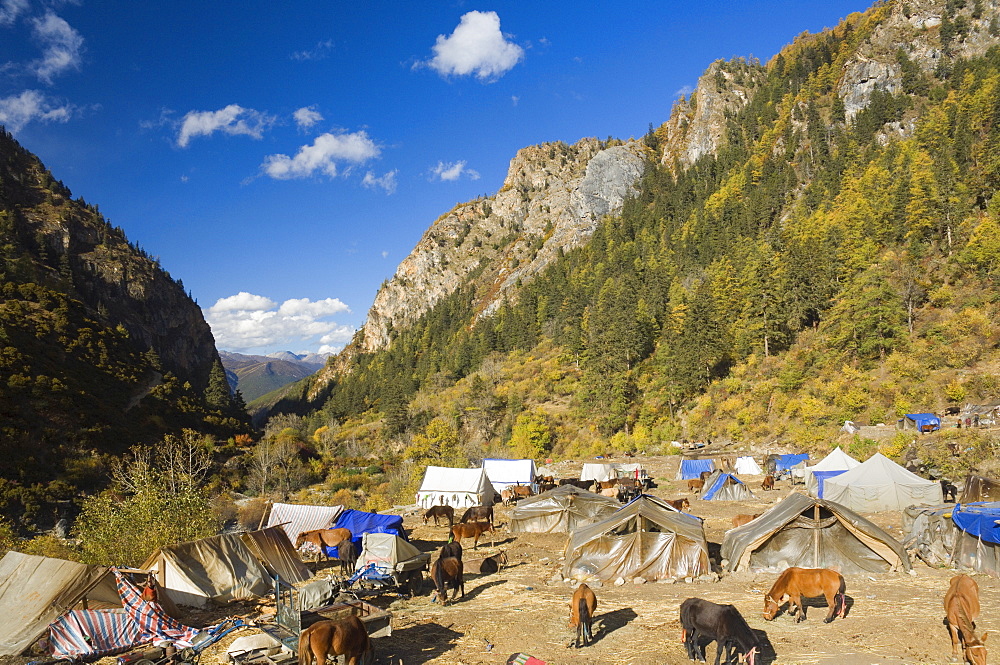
(99, 347)
(811, 239)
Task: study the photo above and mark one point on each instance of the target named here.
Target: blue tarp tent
(979, 520)
(360, 523)
(920, 421)
(692, 468)
(820, 476)
(722, 486)
(784, 463)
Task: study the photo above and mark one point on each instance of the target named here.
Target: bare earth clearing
(893, 618)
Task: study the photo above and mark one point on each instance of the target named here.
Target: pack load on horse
(703, 619)
(439, 512)
(447, 572)
(347, 638)
(799, 583)
(581, 615)
(961, 606)
(472, 530)
(320, 539)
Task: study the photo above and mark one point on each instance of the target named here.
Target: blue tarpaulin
(692, 468)
(719, 483)
(359, 522)
(979, 520)
(820, 476)
(783, 463)
(922, 420)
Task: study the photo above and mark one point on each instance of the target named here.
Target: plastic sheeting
(296, 518)
(784, 463)
(273, 549)
(881, 484)
(690, 469)
(919, 421)
(458, 488)
(979, 520)
(563, 509)
(721, 486)
(979, 488)
(390, 553)
(812, 533)
(933, 536)
(359, 523)
(643, 539)
(748, 466)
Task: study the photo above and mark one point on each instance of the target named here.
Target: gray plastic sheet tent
(560, 510)
(273, 549)
(722, 486)
(979, 488)
(812, 533)
(931, 534)
(642, 539)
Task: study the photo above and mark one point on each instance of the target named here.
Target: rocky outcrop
(552, 199)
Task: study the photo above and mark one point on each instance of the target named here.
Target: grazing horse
(323, 538)
(961, 606)
(445, 572)
(478, 514)
(695, 485)
(472, 530)
(679, 504)
(797, 583)
(348, 638)
(722, 623)
(742, 519)
(582, 484)
(948, 489)
(438, 512)
(581, 614)
(347, 552)
(768, 483)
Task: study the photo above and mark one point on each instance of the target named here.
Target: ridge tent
(506, 472)
(880, 484)
(922, 422)
(834, 464)
(812, 533)
(458, 488)
(979, 488)
(359, 522)
(218, 569)
(295, 518)
(562, 509)
(605, 471)
(273, 549)
(642, 539)
(722, 486)
(748, 466)
(690, 469)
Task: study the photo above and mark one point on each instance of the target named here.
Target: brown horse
(323, 537)
(695, 485)
(440, 511)
(768, 483)
(478, 514)
(581, 614)
(445, 572)
(347, 638)
(961, 606)
(472, 530)
(679, 504)
(451, 549)
(797, 583)
(742, 519)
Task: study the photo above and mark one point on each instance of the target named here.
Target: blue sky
(282, 158)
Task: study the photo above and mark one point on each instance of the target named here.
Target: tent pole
(816, 536)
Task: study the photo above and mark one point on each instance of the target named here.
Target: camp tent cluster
(964, 536)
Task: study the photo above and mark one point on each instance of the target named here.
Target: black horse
(703, 619)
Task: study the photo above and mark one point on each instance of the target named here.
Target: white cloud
(318, 52)
(685, 91)
(385, 254)
(475, 47)
(323, 156)
(232, 120)
(11, 9)
(386, 182)
(449, 171)
(514, 99)
(246, 322)
(62, 47)
(306, 117)
(17, 111)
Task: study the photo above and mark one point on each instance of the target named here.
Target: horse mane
(965, 625)
(780, 585)
(740, 630)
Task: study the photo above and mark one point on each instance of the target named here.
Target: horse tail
(305, 652)
(584, 625)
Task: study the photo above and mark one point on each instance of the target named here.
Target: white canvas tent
(837, 460)
(295, 518)
(747, 466)
(37, 590)
(458, 488)
(880, 484)
(606, 471)
(218, 569)
(506, 472)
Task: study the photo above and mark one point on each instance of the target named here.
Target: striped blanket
(96, 633)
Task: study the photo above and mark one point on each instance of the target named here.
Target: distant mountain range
(254, 376)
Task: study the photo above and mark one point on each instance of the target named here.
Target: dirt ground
(894, 618)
